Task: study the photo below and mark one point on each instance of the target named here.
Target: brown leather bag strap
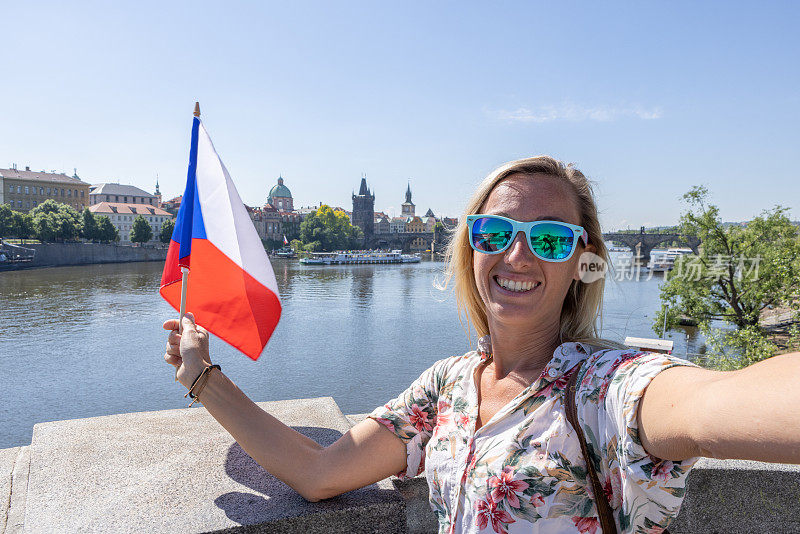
(603, 508)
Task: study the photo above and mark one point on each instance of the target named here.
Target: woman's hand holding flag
(187, 351)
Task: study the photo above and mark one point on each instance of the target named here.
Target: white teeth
(513, 285)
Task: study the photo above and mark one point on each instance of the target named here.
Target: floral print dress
(523, 470)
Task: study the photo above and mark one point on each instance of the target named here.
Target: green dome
(279, 190)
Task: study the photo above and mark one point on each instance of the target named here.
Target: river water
(87, 341)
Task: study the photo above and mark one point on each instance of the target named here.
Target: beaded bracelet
(206, 373)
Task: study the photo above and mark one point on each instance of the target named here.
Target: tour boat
(664, 260)
(14, 256)
(357, 257)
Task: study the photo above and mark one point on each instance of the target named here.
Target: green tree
(325, 230)
(165, 233)
(106, 231)
(141, 232)
(53, 221)
(740, 271)
(21, 225)
(6, 220)
(89, 230)
(272, 244)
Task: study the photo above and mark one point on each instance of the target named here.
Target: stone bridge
(642, 244)
(398, 240)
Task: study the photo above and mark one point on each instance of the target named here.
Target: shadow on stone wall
(270, 498)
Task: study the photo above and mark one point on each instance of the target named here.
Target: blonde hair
(582, 308)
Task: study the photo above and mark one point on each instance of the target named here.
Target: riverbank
(779, 324)
(62, 254)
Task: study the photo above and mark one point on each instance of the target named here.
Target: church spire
(408, 192)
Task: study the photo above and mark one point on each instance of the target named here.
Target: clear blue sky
(647, 98)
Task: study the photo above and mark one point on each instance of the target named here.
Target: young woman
(489, 428)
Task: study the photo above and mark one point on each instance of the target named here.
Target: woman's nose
(519, 253)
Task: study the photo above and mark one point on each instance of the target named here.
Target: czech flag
(231, 288)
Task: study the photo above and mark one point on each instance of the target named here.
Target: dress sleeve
(411, 416)
(643, 490)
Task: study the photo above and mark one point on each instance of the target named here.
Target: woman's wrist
(191, 372)
(200, 382)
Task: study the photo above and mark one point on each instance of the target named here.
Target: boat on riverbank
(664, 260)
(285, 252)
(15, 256)
(357, 257)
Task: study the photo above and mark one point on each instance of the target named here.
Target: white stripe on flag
(227, 223)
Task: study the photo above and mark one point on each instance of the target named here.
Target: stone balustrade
(180, 471)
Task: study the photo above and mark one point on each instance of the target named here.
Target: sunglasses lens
(552, 241)
(489, 234)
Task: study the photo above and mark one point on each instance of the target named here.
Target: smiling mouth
(517, 287)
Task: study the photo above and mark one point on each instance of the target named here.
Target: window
(69, 192)
(41, 190)
(126, 199)
(116, 198)
(27, 192)
(49, 190)
(28, 205)
(19, 189)
(82, 193)
(62, 192)
(10, 188)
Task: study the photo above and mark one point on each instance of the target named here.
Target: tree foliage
(53, 221)
(165, 233)
(89, 229)
(6, 221)
(106, 231)
(740, 271)
(326, 230)
(141, 231)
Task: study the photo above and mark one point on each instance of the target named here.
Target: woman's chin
(514, 313)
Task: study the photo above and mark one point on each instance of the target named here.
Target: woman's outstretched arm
(365, 454)
(751, 414)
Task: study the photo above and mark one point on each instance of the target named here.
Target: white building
(122, 216)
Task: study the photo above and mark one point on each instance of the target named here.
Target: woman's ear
(589, 266)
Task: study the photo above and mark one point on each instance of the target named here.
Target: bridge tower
(364, 210)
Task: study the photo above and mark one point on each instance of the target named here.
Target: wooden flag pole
(185, 270)
(184, 285)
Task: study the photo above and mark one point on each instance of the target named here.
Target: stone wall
(180, 471)
(57, 254)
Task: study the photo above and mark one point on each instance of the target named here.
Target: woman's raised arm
(365, 454)
(752, 413)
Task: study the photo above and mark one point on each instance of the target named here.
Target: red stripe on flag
(226, 300)
(172, 271)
